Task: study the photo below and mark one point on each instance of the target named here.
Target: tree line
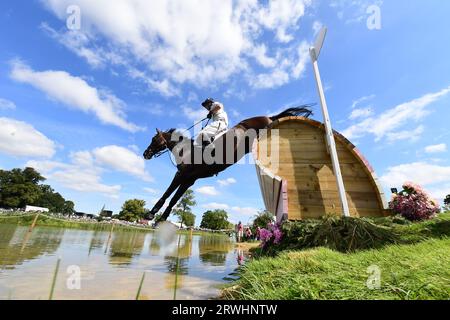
(19, 188)
(134, 210)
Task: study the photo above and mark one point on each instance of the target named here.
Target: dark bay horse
(197, 162)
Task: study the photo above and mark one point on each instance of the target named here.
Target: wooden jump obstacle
(301, 183)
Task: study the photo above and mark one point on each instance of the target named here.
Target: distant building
(84, 215)
(106, 213)
(79, 214)
(35, 209)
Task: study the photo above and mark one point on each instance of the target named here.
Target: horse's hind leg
(180, 192)
(172, 187)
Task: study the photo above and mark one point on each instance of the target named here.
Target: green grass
(415, 267)
(419, 271)
(47, 221)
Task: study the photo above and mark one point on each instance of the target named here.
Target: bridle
(163, 147)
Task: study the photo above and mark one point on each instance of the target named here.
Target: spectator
(248, 233)
(240, 231)
(258, 233)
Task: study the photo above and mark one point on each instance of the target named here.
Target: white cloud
(172, 42)
(123, 160)
(361, 113)
(80, 174)
(21, 139)
(235, 211)
(194, 114)
(357, 102)
(435, 178)
(387, 123)
(246, 211)
(279, 15)
(207, 190)
(77, 43)
(83, 172)
(226, 182)
(438, 148)
(410, 135)
(134, 147)
(285, 69)
(317, 26)
(76, 93)
(215, 206)
(353, 11)
(6, 104)
(276, 78)
(260, 54)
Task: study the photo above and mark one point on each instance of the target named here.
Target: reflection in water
(14, 250)
(154, 246)
(202, 263)
(124, 246)
(97, 240)
(214, 249)
(177, 262)
(240, 257)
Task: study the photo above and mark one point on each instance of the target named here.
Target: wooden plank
(277, 186)
(329, 184)
(261, 184)
(331, 198)
(305, 166)
(320, 170)
(315, 212)
(283, 204)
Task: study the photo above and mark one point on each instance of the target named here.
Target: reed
(55, 275)
(177, 268)
(140, 286)
(34, 222)
(109, 237)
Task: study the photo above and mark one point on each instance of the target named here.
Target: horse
(190, 167)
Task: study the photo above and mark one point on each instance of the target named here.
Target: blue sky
(81, 104)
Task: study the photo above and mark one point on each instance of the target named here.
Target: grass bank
(414, 268)
(48, 221)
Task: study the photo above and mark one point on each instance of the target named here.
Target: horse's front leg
(172, 187)
(181, 190)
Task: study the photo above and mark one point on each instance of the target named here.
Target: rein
(159, 154)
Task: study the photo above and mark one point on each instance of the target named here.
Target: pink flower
(272, 234)
(414, 203)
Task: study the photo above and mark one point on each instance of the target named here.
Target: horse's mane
(179, 132)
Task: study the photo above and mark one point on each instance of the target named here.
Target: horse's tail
(304, 111)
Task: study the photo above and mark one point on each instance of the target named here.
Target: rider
(219, 123)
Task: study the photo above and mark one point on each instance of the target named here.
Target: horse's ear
(158, 131)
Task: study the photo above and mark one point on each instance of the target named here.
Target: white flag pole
(315, 52)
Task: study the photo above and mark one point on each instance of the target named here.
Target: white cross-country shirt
(218, 125)
(220, 114)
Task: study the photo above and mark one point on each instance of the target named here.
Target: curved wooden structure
(297, 182)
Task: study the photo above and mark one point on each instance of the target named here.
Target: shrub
(343, 234)
(414, 203)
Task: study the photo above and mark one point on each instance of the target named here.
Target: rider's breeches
(210, 131)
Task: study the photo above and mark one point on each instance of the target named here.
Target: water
(112, 270)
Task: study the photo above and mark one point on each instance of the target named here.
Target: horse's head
(158, 144)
